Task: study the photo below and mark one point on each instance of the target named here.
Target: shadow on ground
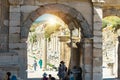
(34, 79)
(111, 79)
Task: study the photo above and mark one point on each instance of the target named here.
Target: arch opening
(110, 32)
(49, 43)
(75, 22)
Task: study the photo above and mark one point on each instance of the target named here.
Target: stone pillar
(16, 42)
(62, 51)
(119, 57)
(87, 59)
(97, 40)
(4, 9)
(45, 55)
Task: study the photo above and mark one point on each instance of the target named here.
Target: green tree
(113, 21)
(50, 29)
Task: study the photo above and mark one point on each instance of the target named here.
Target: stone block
(97, 69)
(28, 8)
(97, 76)
(73, 13)
(97, 39)
(15, 2)
(97, 45)
(98, 1)
(98, 13)
(47, 1)
(37, 2)
(24, 32)
(97, 62)
(59, 1)
(14, 23)
(14, 30)
(17, 46)
(8, 58)
(84, 8)
(3, 38)
(13, 38)
(6, 22)
(21, 52)
(15, 16)
(88, 60)
(14, 8)
(24, 16)
(98, 26)
(25, 28)
(97, 33)
(97, 18)
(88, 68)
(88, 76)
(97, 52)
(88, 53)
(79, 17)
(29, 2)
(34, 16)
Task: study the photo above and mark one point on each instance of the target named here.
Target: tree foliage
(33, 38)
(50, 29)
(113, 21)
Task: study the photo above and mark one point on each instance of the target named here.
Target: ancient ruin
(17, 16)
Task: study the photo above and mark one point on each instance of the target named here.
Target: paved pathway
(111, 79)
(36, 75)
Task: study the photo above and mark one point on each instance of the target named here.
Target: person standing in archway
(62, 71)
(40, 63)
(35, 65)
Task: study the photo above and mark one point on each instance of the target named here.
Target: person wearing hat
(45, 76)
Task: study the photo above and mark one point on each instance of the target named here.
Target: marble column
(119, 57)
(45, 55)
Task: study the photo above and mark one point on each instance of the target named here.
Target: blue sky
(44, 17)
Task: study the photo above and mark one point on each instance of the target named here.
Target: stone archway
(112, 9)
(66, 13)
(70, 16)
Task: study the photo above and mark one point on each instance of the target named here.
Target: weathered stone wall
(111, 8)
(111, 11)
(20, 12)
(20, 20)
(97, 40)
(4, 25)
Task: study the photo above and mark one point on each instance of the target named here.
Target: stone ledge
(9, 67)
(7, 53)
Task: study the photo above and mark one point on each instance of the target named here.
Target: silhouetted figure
(62, 70)
(59, 72)
(51, 78)
(45, 77)
(79, 76)
(8, 75)
(66, 74)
